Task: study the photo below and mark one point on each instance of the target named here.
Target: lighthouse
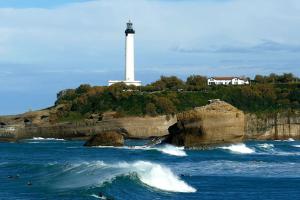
(129, 58)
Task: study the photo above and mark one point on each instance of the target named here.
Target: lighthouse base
(135, 83)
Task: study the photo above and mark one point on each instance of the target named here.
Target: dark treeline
(170, 95)
(277, 79)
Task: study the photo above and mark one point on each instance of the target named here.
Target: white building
(129, 58)
(227, 81)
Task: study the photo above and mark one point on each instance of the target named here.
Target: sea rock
(108, 138)
(216, 123)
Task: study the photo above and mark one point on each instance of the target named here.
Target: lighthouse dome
(129, 29)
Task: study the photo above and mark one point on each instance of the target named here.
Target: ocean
(57, 169)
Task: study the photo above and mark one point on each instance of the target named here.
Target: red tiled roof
(228, 78)
(223, 78)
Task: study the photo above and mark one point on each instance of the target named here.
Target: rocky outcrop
(38, 118)
(108, 138)
(13, 127)
(273, 126)
(35, 124)
(218, 122)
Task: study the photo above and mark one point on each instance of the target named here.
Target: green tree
(117, 89)
(260, 79)
(196, 82)
(151, 109)
(165, 105)
(83, 88)
(286, 78)
(169, 83)
(272, 78)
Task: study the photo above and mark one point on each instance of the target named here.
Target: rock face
(134, 127)
(40, 117)
(109, 138)
(13, 126)
(40, 124)
(218, 122)
(279, 126)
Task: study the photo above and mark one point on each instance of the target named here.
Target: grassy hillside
(170, 95)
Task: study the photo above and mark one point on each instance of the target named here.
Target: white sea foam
(298, 146)
(41, 138)
(38, 138)
(98, 197)
(166, 149)
(242, 168)
(127, 147)
(266, 146)
(172, 150)
(160, 177)
(290, 140)
(239, 148)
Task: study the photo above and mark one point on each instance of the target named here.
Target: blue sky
(36, 3)
(50, 45)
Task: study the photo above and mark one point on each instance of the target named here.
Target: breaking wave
(160, 177)
(288, 140)
(172, 150)
(239, 148)
(266, 146)
(99, 197)
(41, 138)
(96, 173)
(269, 149)
(166, 149)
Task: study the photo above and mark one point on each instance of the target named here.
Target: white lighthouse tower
(129, 58)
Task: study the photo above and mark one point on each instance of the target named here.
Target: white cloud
(36, 43)
(94, 30)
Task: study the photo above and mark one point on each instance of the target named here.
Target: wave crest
(239, 148)
(166, 149)
(98, 172)
(266, 146)
(160, 177)
(172, 150)
(290, 140)
(287, 140)
(41, 138)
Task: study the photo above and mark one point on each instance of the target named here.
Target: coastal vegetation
(170, 95)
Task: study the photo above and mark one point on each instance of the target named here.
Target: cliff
(218, 122)
(133, 127)
(276, 126)
(13, 126)
(39, 124)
